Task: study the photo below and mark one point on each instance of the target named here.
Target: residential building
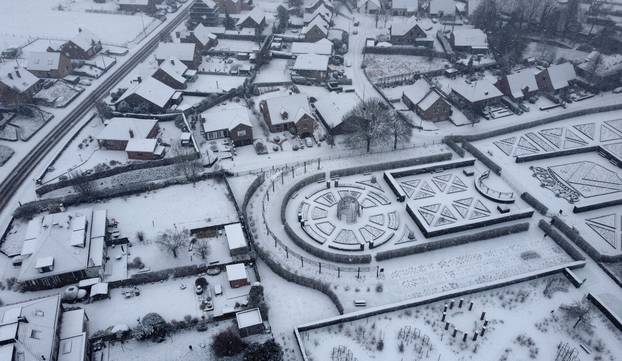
(323, 11)
(289, 112)
(604, 71)
(146, 6)
(235, 239)
(426, 102)
(311, 66)
(249, 322)
(255, 19)
(315, 30)
(237, 275)
(370, 6)
(188, 53)
(556, 78)
(45, 64)
(406, 32)
(205, 12)
(443, 8)
(144, 149)
(83, 46)
(119, 131)
(17, 85)
(518, 85)
(320, 47)
(312, 5)
(475, 95)
(202, 37)
(42, 329)
(63, 248)
(333, 109)
(147, 96)
(174, 73)
(404, 7)
(232, 122)
(234, 6)
(469, 40)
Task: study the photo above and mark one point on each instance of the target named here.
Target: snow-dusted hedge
(560, 153)
(568, 247)
(453, 241)
(574, 235)
(296, 187)
(596, 205)
(454, 146)
(390, 165)
(536, 204)
(482, 157)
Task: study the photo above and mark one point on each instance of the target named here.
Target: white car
(617, 90)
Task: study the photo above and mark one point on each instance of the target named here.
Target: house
(556, 78)
(315, 30)
(174, 73)
(289, 112)
(188, 53)
(320, 47)
(146, 6)
(234, 6)
(322, 11)
(119, 131)
(83, 46)
(370, 6)
(475, 95)
(147, 96)
(426, 102)
(144, 149)
(406, 32)
(232, 122)
(518, 85)
(255, 19)
(312, 5)
(469, 40)
(205, 12)
(235, 239)
(63, 248)
(202, 37)
(404, 7)
(311, 66)
(604, 71)
(45, 64)
(249, 322)
(333, 110)
(43, 329)
(17, 85)
(236, 275)
(442, 8)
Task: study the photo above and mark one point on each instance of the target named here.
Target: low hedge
(568, 247)
(596, 205)
(454, 146)
(482, 157)
(296, 187)
(560, 153)
(536, 204)
(574, 235)
(390, 165)
(453, 241)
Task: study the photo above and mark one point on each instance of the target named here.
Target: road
(21, 172)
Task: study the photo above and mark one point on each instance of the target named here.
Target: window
(242, 133)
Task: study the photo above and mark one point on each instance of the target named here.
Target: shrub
(152, 327)
(227, 343)
(267, 351)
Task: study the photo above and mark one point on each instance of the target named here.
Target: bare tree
(188, 164)
(370, 121)
(401, 129)
(173, 239)
(81, 186)
(202, 247)
(579, 311)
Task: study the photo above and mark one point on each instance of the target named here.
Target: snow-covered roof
(120, 129)
(181, 51)
(477, 91)
(133, 2)
(99, 289)
(175, 69)
(320, 47)
(474, 38)
(16, 77)
(311, 62)
(601, 64)
(236, 271)
(333, 107)
(372, 4)
(447, 7)
(408, 5)
(235, 236)
(417, 91)
(322, 11)
(429, 100)
(288, 108)
(151, 90)
(85, 39)
(314, 3)
(561, 74)
(257, 15)
(210, 3)
(141, 145)
(228, 117)
(43, 60)
(520, 81)
(73, 323)
(203, 34)
(248, 318)
(318, 22)
(399, 27)
(99, 223)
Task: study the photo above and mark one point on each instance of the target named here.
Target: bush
(152, 327)
(267, 351)
(227, 343)
(136, 263)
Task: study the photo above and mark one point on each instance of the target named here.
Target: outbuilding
(237, 275)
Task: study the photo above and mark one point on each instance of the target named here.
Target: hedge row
(454, 146)
(536, 204)
(596, 205)
(296, 187)
(161, 275)
(300, 279)
(482, 157)
(574, 235)
(560, 153)
(113, 171)
(561, 241)
(453, 241)
(390, 165)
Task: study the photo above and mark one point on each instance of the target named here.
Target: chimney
(10, 76)
(172, 62)
(17, 73)
(131, 133)
(284, 114)
(139, 80)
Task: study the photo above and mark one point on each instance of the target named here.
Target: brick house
(317, 29)
(406, 33)
(426, 102)
(82, 46)
(234, 6)
(188, 53)
(289, 112)
(202, 37)
(255, 19)
(314, 4)
(172, 73)
(44, 64)
(333, 110)
(146, 6)
(149, 96)
(518, 85)
(469, 40)
(311, 66)
(475, 95)
(237, 275)
(205, 12)
(119, 131)
(371, 6)
(17, 85)
(232, 122)
(556, 78)
(144, 149)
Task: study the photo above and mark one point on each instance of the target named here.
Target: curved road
(22, 170)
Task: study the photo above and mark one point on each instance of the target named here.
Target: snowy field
(215, 84)
(382, 65)
(528, 320)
